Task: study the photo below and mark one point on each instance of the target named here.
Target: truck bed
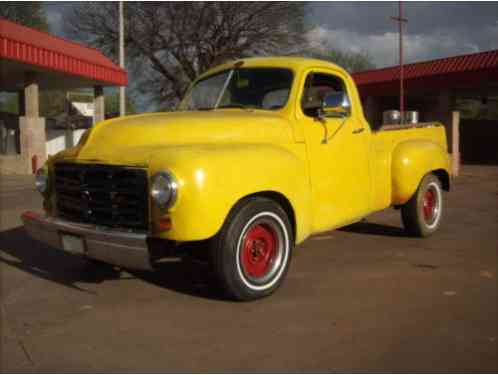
(393, 134)
(383, 144)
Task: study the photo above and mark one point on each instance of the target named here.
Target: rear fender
(411, 161)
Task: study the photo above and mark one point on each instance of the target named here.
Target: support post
(31, 97)
(455, 137)
(122, 100)
(400, 21)
(99, 104)
(32, 127)
(21, 111)
(21, 104)
(444, 115)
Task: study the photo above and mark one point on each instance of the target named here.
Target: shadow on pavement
(186, 276)
(18, 250)
(364, 227)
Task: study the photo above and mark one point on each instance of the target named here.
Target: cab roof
(291, 62)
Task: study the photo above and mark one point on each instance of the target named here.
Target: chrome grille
(113, 196)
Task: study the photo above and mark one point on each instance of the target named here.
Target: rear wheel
(252, 252)
(422, 214)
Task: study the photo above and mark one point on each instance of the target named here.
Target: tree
(29, 14)
(351, 61)
(51, 103)
(112, 105)
(171, 43)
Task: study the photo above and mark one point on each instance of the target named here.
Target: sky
(434, 29)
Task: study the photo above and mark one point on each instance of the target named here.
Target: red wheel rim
(259, 250)
(429, 205)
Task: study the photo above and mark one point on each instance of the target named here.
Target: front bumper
(116, 247)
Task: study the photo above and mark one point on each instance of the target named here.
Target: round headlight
(163, 190)
(41, 181)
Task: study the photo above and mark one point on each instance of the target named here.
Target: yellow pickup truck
(261, 154)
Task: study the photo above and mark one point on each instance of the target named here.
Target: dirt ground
(365, 298)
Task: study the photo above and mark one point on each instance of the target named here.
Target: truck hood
(133, 140)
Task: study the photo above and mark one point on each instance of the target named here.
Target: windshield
(255, 88)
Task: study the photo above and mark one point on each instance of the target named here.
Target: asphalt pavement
(365, 298)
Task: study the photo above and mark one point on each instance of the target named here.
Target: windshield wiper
(235, 105)
(204, 109)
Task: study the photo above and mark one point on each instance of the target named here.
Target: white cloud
(383, 48)
(54, 18)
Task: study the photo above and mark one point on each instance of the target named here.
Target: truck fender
(411, 161)
(213, 178)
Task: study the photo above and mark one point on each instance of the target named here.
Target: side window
(316, 86)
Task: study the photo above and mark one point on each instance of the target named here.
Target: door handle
(358, 130)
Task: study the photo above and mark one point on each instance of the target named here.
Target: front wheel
(252, 252)
(422, 214)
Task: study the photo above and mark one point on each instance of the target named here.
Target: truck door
(337, 153)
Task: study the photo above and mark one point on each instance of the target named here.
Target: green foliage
(8, 103)
(351, 61)
(81, 98)
(478, 108)
(52, 103)
(112, 104)
(29, 14)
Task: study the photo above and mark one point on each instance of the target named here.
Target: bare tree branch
(170, 43)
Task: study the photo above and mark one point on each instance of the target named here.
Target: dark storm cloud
(434, 30)
(424, 17)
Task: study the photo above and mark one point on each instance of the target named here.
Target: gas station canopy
(32, 60)
(57, 63)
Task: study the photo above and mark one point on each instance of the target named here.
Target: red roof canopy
(472, 70)
(42, 50)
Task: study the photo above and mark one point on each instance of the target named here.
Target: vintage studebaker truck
(261, 154)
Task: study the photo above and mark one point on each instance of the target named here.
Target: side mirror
(335, 104)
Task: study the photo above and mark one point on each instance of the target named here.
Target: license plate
(73, 244)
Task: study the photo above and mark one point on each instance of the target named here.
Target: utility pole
(122, 99)
(401, 21)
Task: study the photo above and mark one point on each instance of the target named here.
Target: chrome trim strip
(95, 229)
(410, 126)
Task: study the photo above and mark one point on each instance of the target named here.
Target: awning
(63, 64)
